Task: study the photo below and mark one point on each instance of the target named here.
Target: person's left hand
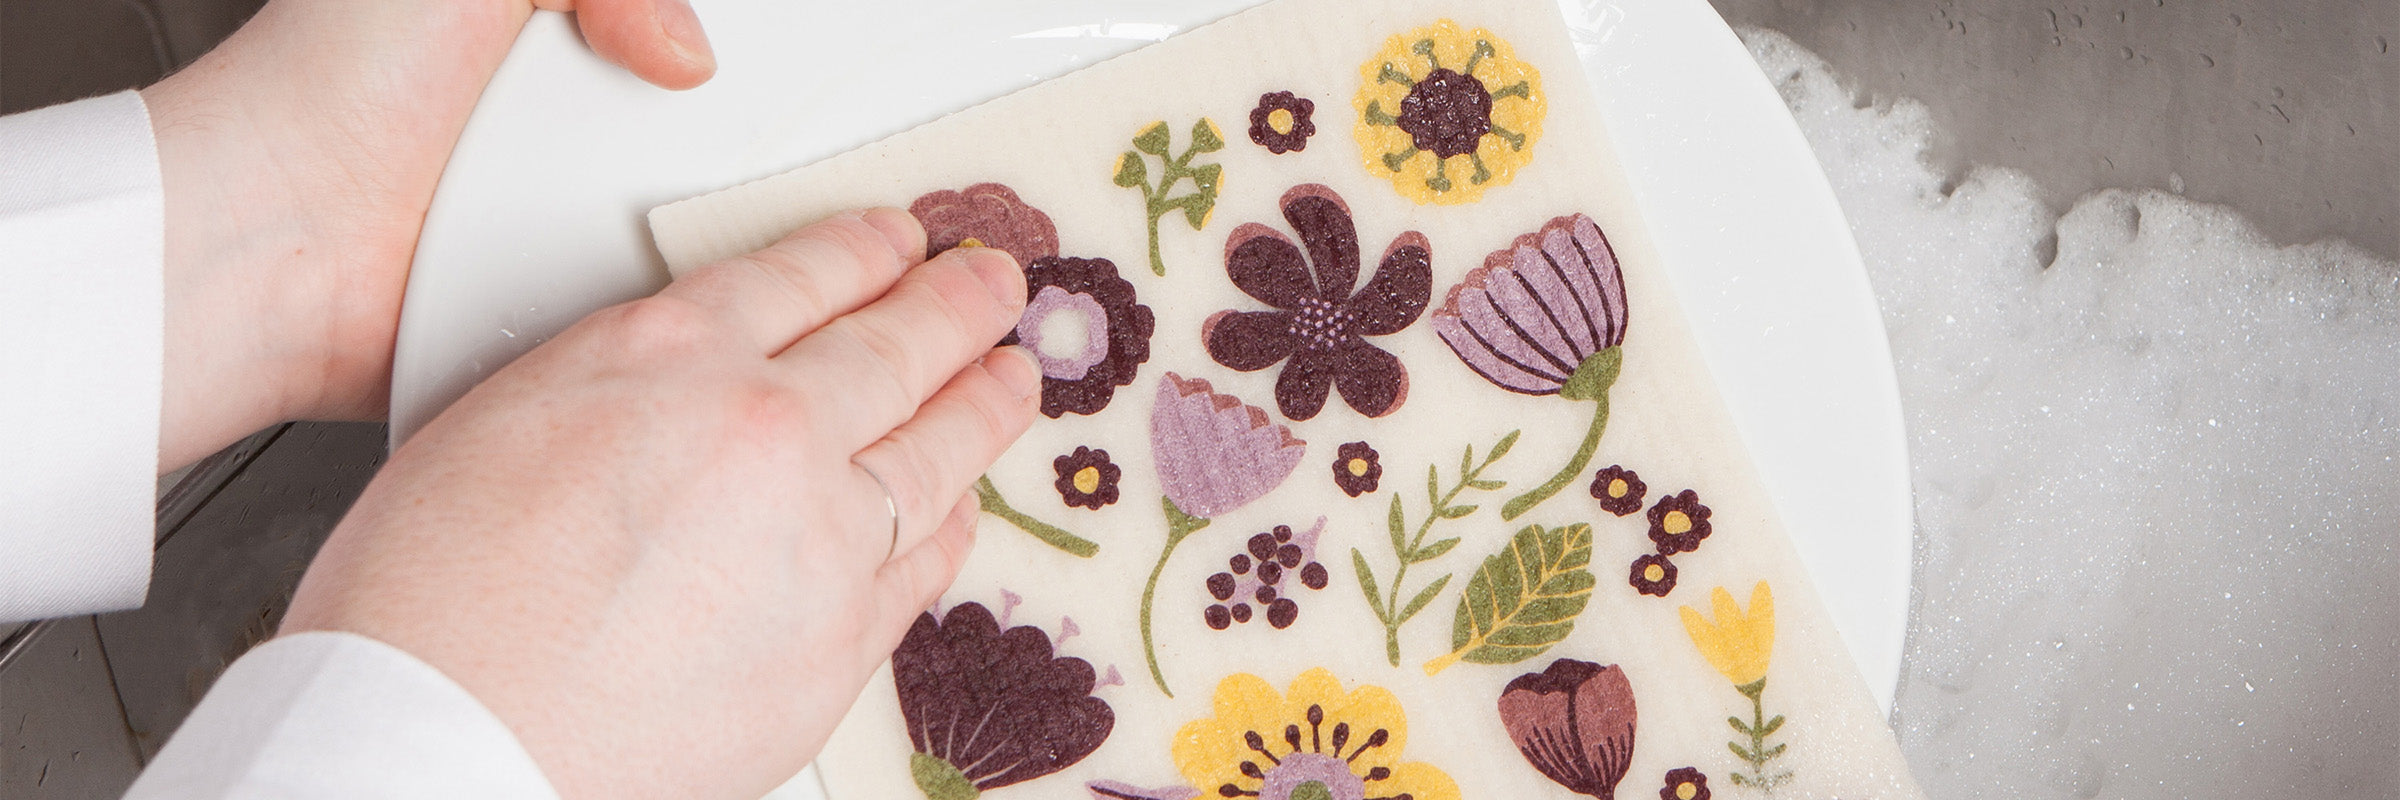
(298, 160)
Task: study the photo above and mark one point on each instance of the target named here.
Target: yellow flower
(1445, 113)
(1314, 741)
(1737, 644)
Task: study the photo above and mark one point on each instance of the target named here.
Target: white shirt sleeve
(82, 320)
(320, 715)
(82, 326)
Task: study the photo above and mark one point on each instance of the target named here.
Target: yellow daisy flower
(1736, 643)
(1445, 113)
(1314, 742)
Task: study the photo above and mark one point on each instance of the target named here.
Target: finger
(892, 355)
(932, 458)
(659, 41)
(916, 577)
(815, 275)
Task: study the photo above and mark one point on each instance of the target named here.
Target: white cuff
(82, 319)
(321, 714)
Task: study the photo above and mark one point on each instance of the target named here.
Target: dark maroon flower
(1357, 469)
(1685, 783)
(1033, 713)
(1619, 490)
(1280, 122)
(1653, 575)
(1256, 577)
(1318, 322)
(985, 215)
(1114, 332)
(1574, 722)
(1086, 478)
(1678, 523)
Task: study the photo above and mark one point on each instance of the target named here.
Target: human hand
(298, 160)
(649, 545)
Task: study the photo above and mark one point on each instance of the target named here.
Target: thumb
(659, 41)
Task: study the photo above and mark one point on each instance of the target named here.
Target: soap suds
(2157, 473)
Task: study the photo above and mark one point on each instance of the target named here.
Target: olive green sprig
(1133, 172)
(1412, 549)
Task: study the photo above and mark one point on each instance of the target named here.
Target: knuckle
(660, 326)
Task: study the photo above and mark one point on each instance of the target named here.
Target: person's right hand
(652, 546)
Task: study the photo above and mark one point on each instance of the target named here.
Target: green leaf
(1131, 171)
(1196, 207)
(1738, 778)
(1424, 597)
(1432, 551)
(1205, 138)
(1773, 725)
(1399, 525)
(1742, 753)
(1501, 449)
(1773, 752)
(1739, 726)
(1524, 599)
(1206, 178)
(1433, 486)
(1486, 484)
(1593, 377)
(940, 781)
(1153, 139)
(1366, 583)
(1466, 462)
(1455, 512)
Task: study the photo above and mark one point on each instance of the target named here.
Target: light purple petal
(1214, 452)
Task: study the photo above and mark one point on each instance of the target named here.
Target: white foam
(2157, 477)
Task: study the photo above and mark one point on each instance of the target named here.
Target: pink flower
(1214, 452)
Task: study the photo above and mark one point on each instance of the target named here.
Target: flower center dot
(1617, 487)
(1315, 790)
(971, 242)
(1280, 121)
(1655, 573)
(1087, 480)
(1686, 790)
(1358, 467)
(1676, 523)
(1320, 324)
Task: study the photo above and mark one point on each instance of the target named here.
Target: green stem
(1517, 506)
(1179, 525)
(988, 497)
(1157, 265)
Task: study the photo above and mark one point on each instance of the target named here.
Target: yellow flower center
(1655, 573)
(971, 242)
(1686, 791)
(1617, 487)
(1087, 480)
(1280, 120)
(1676, 523)
(1357, 467)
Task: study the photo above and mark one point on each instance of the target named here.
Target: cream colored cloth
(1422, 258)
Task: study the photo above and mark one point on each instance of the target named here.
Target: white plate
(538, 219)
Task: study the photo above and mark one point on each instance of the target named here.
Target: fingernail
(900, 229)
(1017, 370)
(998, 271)
(682, 27)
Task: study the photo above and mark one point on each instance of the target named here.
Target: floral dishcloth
(1277, 267)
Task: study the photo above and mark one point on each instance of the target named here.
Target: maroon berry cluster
(1256, 576)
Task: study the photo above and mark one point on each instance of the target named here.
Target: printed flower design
(1574, 722)
(1280, 122)
(1033, 713)
(1678, 523)
(1214, 454)
(1545, 316)
(1086, 478)
(1442, 98)
(1684, 783)
(1314, 742)
(1082, 376)
(1653, 575)
(1357, 469)
(1738, 644)
(1120, 790)
(985, 215)
(1318, 323)
(1256, 575)
(1619, 490)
